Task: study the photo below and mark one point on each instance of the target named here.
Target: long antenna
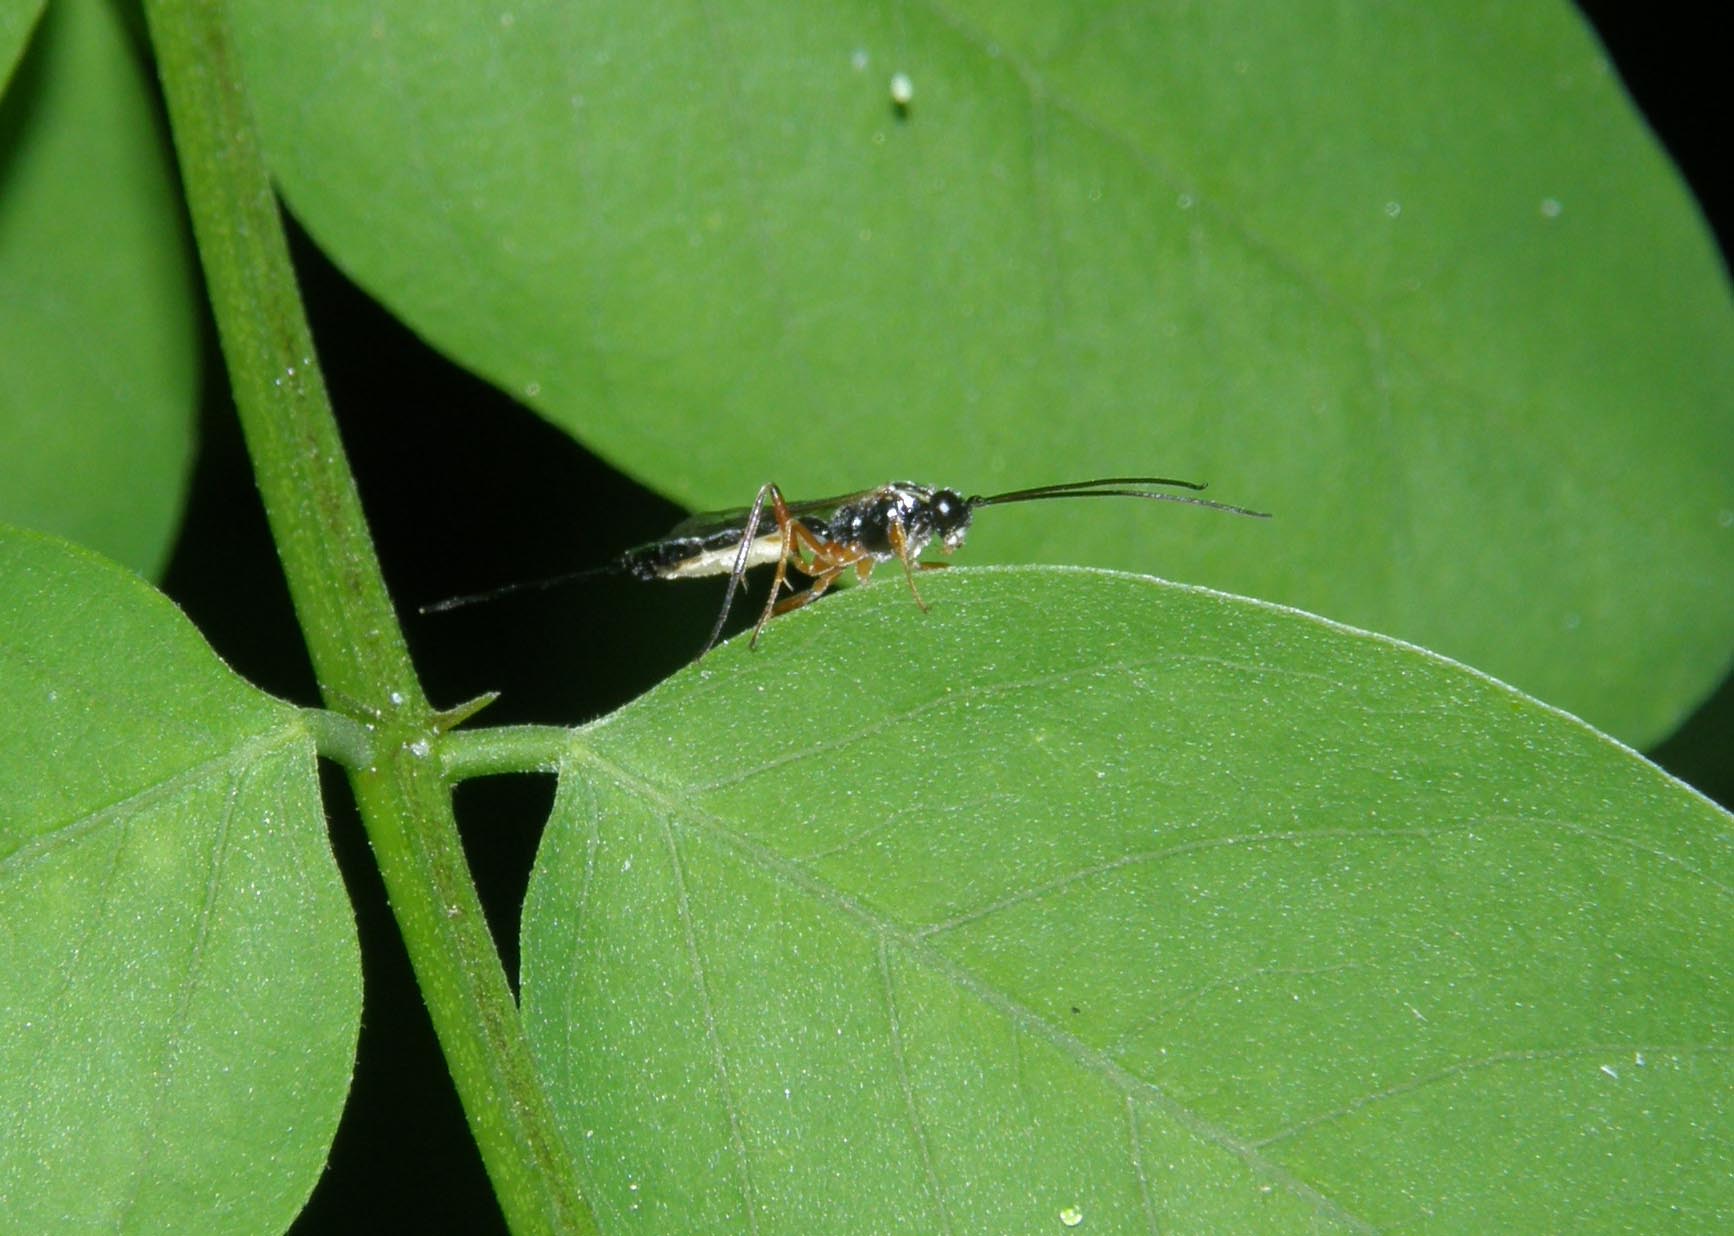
(1114, 487)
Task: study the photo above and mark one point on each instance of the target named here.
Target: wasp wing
(708, 523)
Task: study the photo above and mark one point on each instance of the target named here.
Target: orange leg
(901, 545)
(800, 549)
(806, 596)
(828, 562)
(789, 531)
(825, 561)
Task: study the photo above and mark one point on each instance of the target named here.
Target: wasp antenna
(1113, 487)
(1081, 488)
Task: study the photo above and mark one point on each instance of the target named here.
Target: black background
(454, 474)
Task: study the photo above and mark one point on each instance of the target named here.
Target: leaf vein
(906, 1083)
(1020, 1016)
(1478, 1064)
(713, 1038)
(19, 860)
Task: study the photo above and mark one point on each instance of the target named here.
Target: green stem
(341, 738)
(352, 634)
(503, 749)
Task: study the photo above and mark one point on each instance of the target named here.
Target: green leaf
(1089, 892)
(99, 332)
(1371, 268)
(16, 19)
(182, 986)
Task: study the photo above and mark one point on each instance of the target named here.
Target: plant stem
(352, 634)
(503, 749)
(341, 738)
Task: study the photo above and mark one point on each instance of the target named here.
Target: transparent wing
(707, 523)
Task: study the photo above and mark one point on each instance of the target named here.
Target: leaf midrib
(675, 809)
(235, 760)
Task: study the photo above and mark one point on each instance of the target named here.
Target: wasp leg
(828, 560)
(864, 569)
(808, 595)
(789, 530)
(825, 561)
(900, 544)
(822, 563)
(768, 492)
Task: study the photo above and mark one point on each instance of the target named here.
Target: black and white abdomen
(695, 557)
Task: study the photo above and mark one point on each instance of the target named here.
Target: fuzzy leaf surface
(1416, 278)
(99, 330)
(1089, 893)
(182, 986)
